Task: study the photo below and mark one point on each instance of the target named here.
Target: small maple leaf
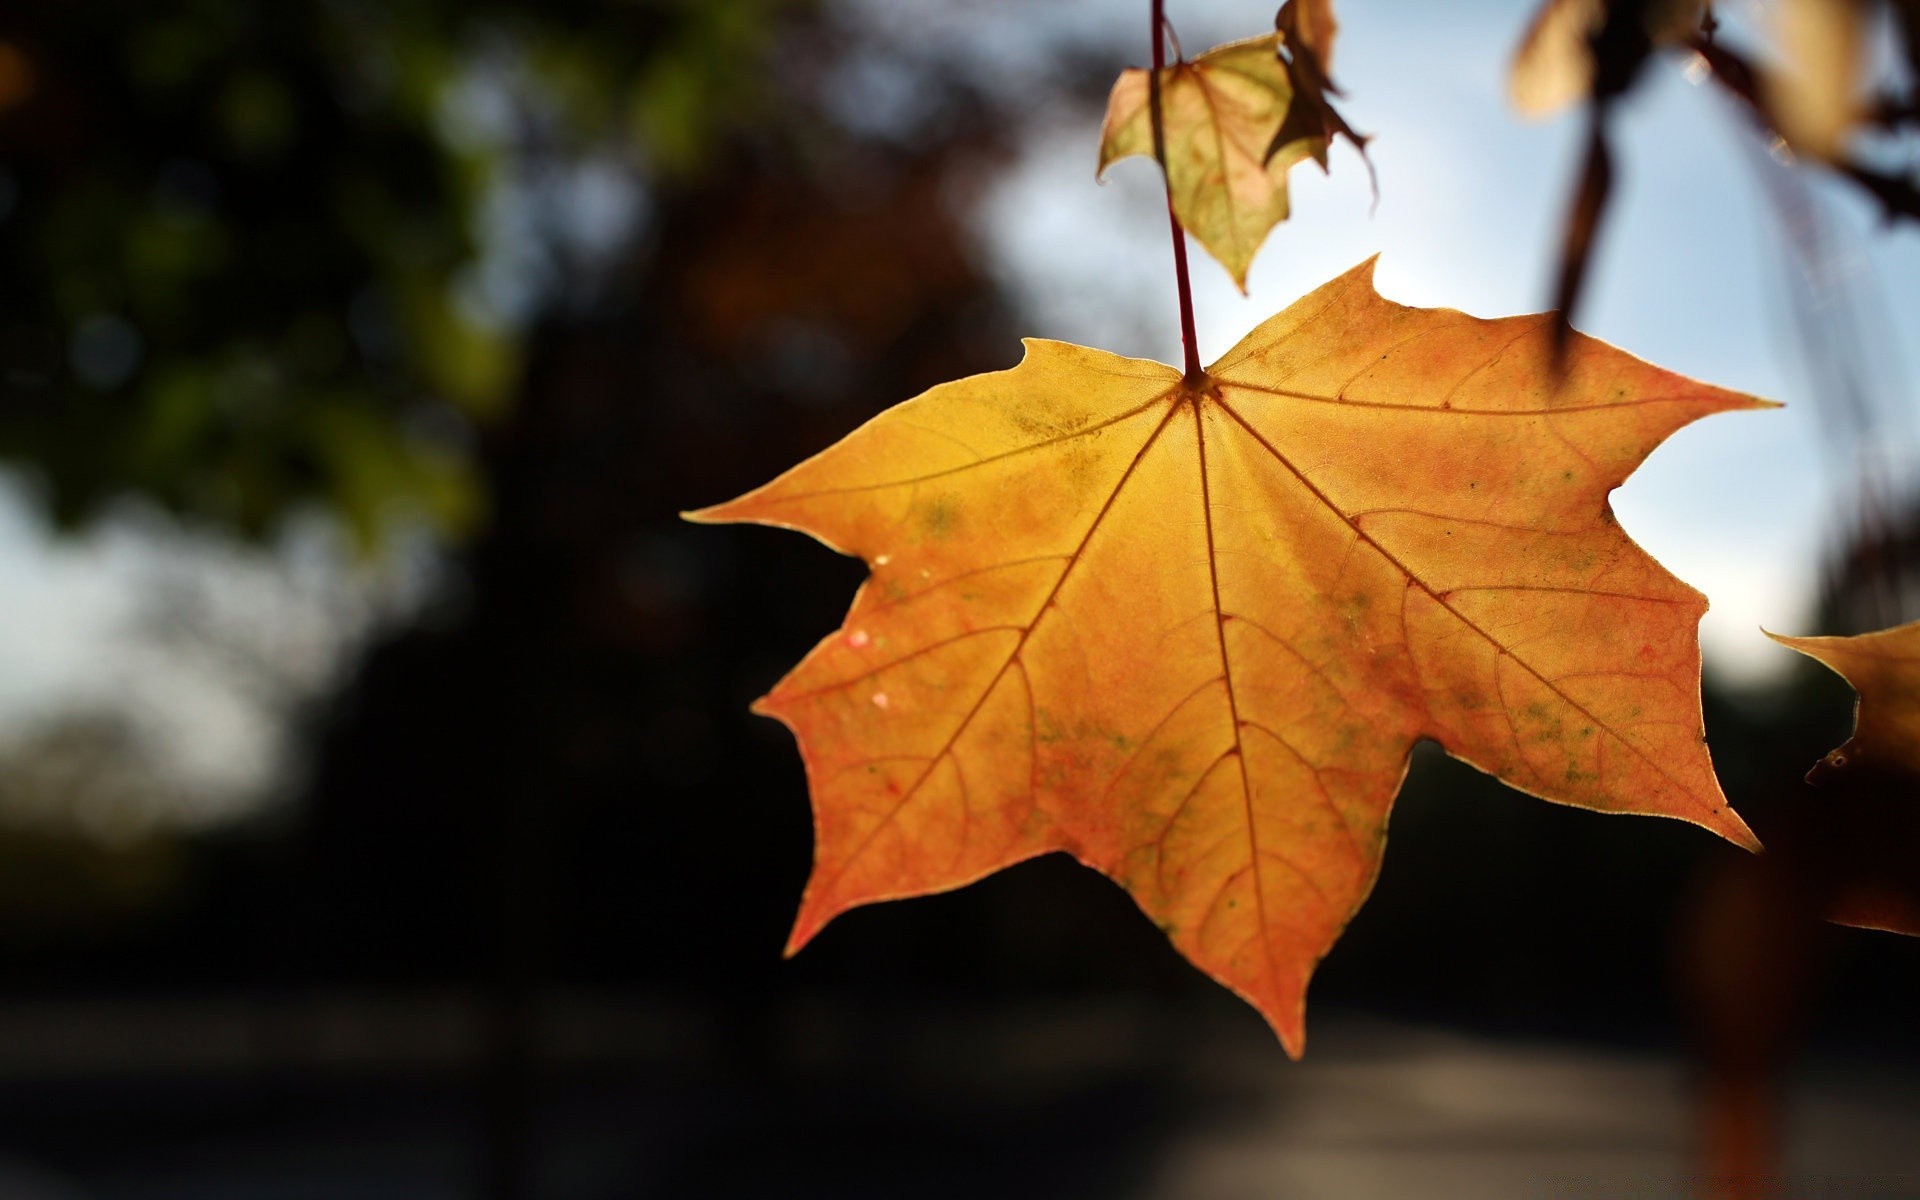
(1189, 631)
(1869, 844)
(1219, 114)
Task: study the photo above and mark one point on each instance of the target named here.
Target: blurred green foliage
(239, 242)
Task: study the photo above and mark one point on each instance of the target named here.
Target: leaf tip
(1737, 831)
(724, 513)
(808, 922)
(1291, 1028)
(1365, 270)
(1725, 822)
(796, 942)
(1286, 1014)
(1799, 645)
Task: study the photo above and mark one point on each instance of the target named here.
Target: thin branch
(1188, 339)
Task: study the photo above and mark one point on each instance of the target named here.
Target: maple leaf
(1869, 845)
(1189, 630)
(1219, 114)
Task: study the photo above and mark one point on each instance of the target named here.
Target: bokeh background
(379, 810)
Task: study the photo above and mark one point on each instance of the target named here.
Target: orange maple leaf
(1189, 631)
(1870, 838)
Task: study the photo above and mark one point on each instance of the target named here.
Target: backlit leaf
(1220, 114)
(1189, 631)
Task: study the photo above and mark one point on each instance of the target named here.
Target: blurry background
(379, 810)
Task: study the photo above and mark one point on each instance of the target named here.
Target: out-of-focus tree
(78, 801)
(259, 257)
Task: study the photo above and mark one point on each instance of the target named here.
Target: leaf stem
(1188, 339)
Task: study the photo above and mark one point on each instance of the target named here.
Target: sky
(1689, 275)
(206, 648)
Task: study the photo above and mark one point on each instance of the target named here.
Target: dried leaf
(1314, 28)
(1190, 632)
(1312, 119)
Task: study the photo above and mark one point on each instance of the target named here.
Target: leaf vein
(1414, 579)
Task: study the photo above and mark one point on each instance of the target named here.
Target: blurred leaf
(1554, 64)
(1814, 93)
